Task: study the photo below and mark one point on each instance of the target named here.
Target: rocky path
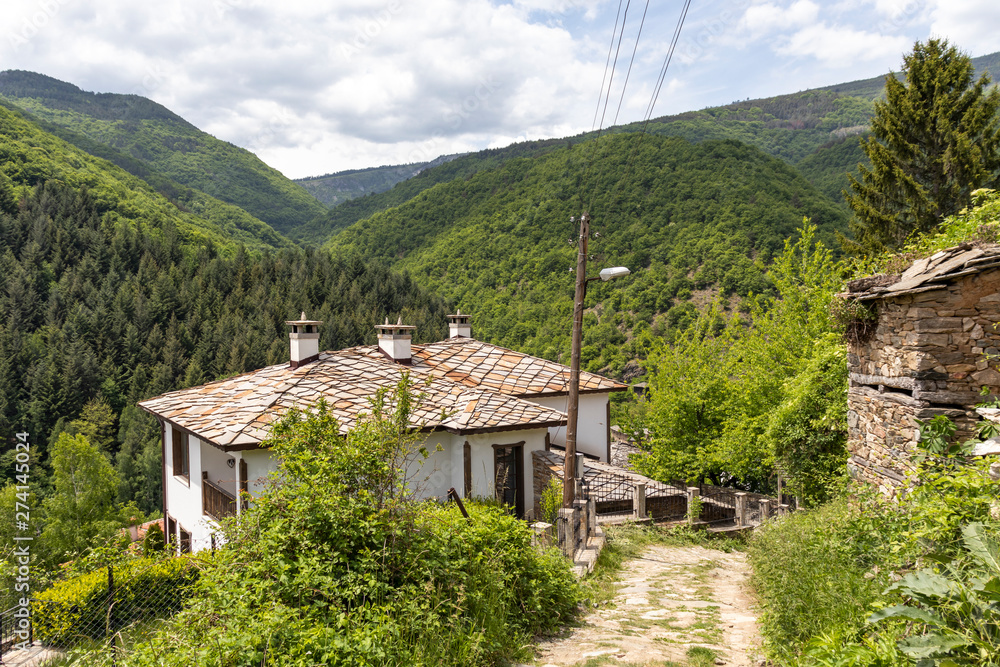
(673, 606)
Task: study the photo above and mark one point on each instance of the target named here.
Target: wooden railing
(216, 502)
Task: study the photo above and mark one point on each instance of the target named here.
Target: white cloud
(319, 85)
(970, 25)
(768, 17)
(838, 47)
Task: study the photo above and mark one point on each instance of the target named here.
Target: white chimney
(303, 341)
(458, 325)
(394, 340)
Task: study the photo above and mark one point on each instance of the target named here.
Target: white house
(486, 409)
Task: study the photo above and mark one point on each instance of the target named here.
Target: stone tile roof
(473, 363)
(237, 413)
(927, 273)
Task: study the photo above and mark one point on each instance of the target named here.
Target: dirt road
(674, 605)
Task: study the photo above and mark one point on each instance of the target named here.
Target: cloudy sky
(316, 86)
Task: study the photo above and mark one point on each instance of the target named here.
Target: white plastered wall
(592, 422)
(183, 496)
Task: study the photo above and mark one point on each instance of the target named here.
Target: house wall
(183, 496)
(928, 357)
(427, 478)
(592, 422)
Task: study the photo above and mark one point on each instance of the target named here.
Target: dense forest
(93, 310)
(29, 155)
(689, 220)
(161, 142)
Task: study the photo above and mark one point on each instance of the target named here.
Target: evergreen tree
(934, 140)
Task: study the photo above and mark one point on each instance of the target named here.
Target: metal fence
(95, 618)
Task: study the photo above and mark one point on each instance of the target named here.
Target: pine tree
(934, 140)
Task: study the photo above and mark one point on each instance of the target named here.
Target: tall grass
(809, 579)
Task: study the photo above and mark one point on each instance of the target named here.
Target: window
(181, 454)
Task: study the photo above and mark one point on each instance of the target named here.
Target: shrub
(808, 577)
(335, 565)
(78, 607)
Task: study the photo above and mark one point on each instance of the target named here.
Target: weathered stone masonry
(930, 355)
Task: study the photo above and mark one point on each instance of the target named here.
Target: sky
(318, 86)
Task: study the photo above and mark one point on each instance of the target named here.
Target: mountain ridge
(146, 131)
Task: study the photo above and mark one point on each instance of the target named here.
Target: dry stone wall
(930, 355)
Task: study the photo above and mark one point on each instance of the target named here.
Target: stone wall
(544, 466)
(929, 356)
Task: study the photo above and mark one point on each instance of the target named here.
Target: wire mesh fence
(94, 618)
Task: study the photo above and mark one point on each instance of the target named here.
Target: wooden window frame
(519, 508)
(181, 454)
(467, 469)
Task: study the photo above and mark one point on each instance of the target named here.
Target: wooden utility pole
(569, 467)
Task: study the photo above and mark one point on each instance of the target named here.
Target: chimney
(458, 325)
(394, 340)
(303, 340)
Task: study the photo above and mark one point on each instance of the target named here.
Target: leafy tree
(82, 508)
(934, 140)
(808, 431)
(714, 392)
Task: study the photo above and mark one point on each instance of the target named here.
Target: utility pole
(569, 467)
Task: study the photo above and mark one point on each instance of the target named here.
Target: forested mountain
(160, 142)
(98, 312)
(815, 130)
(684, 217)
(336, 188)
(29, 156)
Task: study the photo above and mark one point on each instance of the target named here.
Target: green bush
(78, 607)
(810, 577)
(336, 565)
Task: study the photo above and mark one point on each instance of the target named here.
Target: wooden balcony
(216, 502)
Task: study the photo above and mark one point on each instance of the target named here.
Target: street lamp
(573, 409)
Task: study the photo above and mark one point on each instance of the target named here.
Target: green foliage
(78, 606)
(808, 431)
(978, 223)
(818, 573)
(955, 604)
(684, 217)
(714, 392)
(97, 315)
(935, 139)
(157, 140)
(153, 543)
(82, 508)
(335, 565)
(936, 437)
(30, 156)
(551, 501)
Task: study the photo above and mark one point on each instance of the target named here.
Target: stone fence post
(765, 509)
(741, 509)
(566, 531)
(639, 500)
(693, 492)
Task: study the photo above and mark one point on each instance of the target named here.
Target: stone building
(930, 351)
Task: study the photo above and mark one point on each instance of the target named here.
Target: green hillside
(151, 134)
(688, 219)
(336, 188)
(29, 156)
